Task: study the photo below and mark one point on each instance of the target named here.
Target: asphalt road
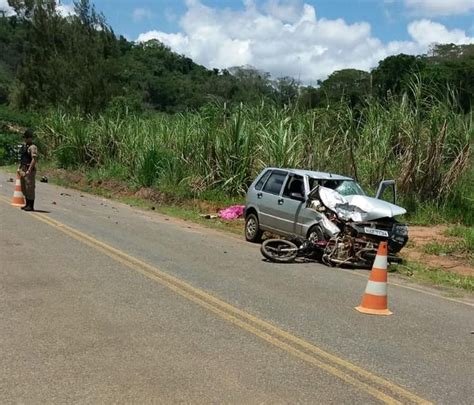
(102, 303)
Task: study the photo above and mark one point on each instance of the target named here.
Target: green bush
(9, 148)
(153, 164)
(21, 118)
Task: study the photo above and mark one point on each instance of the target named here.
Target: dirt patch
(115, 187)
(420, 236)
(150, 194)
(74, 178)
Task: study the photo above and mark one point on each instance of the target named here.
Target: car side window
(294, 186)
(275, 183)
(262, 180)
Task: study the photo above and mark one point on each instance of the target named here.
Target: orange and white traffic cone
(18, 199)
(374, 301)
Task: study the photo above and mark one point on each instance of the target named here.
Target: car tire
(253, 233)
(316, 230)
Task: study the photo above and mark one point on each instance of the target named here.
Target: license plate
(376, 232)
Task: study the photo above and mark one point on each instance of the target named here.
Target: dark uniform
(28, 153)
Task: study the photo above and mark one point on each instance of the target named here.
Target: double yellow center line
(363, 380)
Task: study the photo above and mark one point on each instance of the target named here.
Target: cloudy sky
(305, 39)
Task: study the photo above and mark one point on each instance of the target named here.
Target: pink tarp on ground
(234, 212)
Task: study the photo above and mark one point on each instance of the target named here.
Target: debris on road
(209, 216)
(66, 194)
(54, 203)
(10, 180)
(44, 179)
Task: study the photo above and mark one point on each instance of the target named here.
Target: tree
(349, 85)
(287, 90)
(453, 65)
(392, 75)
(251, 85)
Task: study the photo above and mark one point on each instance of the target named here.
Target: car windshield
(343, 187)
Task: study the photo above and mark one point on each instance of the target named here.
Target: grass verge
(187, 210)
(419, 273)
(466, 234)
(461, 244)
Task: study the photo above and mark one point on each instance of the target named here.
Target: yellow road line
(248, 322)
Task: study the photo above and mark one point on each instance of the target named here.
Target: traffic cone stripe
(380, 262)
(374, 301)
(378, 275)
(376, 288)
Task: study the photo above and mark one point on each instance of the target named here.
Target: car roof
(314, 174)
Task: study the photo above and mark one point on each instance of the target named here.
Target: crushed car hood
(374, 208)
(357, 208)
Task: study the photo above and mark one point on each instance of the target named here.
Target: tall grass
(421, 139)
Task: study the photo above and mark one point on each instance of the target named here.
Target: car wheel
(316, 233)
(253, 233)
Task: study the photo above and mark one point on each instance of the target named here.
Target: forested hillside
(78, 62)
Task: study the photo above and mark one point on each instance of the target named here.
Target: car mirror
(384, 185)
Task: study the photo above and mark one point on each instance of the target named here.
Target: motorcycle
(345, 234)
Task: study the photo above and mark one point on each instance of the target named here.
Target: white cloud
(426, 32)
(140, 14)
(4, 7)
(432, 8)
(286, 38)
(285, 10)
(65, 10)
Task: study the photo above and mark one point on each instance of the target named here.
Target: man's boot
(29, 205)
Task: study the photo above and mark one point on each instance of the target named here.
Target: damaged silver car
(331, 211)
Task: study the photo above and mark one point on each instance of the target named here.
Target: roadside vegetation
(422, 141)
(418, 272)
(460, 244)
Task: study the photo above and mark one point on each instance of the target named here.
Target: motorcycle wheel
(279, 250)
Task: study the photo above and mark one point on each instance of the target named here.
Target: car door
(292, 204)
(270, 200)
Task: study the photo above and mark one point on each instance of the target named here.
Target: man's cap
(28, 133)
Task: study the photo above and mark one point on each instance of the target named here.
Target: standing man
(27, 169)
